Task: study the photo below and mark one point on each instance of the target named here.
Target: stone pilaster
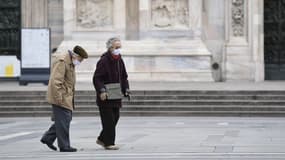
(195, 18)
(256, 12)
(214, 33)
(55, 21)
(34, 13)
(132, 19)
(238, 62)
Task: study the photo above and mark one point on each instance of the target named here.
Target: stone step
(157, 92)
(152, 113)
(155, 102)
(208, 108)
(157, 97)
(153, 94)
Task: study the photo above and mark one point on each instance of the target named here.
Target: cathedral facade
(187, 40)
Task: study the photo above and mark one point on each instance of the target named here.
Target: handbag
(114, 91)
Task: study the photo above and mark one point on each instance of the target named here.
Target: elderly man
(110, 70)
(60, 95)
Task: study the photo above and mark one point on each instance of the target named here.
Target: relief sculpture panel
(238, 18)
(94, 14)
(169, 14)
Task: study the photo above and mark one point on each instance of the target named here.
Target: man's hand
(59, 100)
(103, 96)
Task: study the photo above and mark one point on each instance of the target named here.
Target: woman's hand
(104, 96)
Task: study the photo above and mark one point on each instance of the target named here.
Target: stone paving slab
(226, 138)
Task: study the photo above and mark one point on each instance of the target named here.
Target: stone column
(34, 13)
(238, 60)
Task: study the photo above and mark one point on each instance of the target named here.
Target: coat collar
(67, 59)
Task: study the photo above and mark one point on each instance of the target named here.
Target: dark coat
(107, 71)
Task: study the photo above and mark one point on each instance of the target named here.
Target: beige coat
(61, 83)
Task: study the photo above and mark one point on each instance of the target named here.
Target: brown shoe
(100, 143)
(112, 147)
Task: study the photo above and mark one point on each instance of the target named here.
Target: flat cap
(80, 51)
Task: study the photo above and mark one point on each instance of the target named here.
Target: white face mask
(76, 62)
(117, 51)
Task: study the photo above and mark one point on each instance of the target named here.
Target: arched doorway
(274, 39)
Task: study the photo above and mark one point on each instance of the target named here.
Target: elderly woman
(110, 70)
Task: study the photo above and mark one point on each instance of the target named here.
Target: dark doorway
(274, 39)
(10, 26)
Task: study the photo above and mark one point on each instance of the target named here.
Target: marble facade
(169, 46)
(164, 36)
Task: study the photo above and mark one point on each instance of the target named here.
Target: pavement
(155, 138)
(143, 138)
(137, 85)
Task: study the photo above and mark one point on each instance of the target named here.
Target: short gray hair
(110, 42)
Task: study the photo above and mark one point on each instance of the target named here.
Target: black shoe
(51, 146)
(70, 149)
(100, 143)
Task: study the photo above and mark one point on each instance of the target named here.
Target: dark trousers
(60, 128)
(109, 119)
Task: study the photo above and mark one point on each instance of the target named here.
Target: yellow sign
(9, 71)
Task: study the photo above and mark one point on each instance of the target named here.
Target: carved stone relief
(92, 14)
(238, 17)
(169, 14)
